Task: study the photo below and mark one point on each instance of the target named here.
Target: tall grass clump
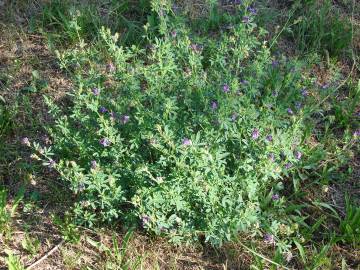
(319, 27)
(193, 136)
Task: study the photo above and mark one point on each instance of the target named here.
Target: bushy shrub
(188, 137)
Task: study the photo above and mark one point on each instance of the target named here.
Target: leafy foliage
(193, 136)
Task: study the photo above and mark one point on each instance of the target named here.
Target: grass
(33, 221)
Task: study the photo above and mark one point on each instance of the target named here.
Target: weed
(68, 229)
(31, 245)
(319, 27)
(13, 262)
(116, 255)
(6, 214)
(67, 21)
(350, 225)
(186, 148)
(6, 119)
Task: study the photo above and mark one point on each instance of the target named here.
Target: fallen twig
(45, 256)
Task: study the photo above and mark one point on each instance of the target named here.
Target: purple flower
(174, 34)
(196, 48)
(304, 92)
(85, 204)
(46, 139)
(81, 187)
(110, 68)
(289, 111)
(226, 88)
(96, 91)
(246, 19)
(269, 239)
(271, 156)
(124, 119)
(234, 116)
(105, 142)
(275, 63)
(252, 10)
(216, 122)
(186, 142)
(325, 86)
(52, 163)
(145, 219)
(288, 165)
(275, 197)
(244, 82)
(297, 155)
(25, 141)
(298, 105)
(255, 134)
(357, 133)
(214, 105)
(102, 110)
(269, 138)
(288, 256)
(93, 164)
(112, 115)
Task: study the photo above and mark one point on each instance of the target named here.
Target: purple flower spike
(196, 48)
(252, 10)
(186, 142)
(325, 86)
(290, 111)
(226, 88)
(111, 68)
(234, 116)
(96, 91)
(214, 105)
(255, 134)
(145, 219)
(93, 164)
(275, 63)
(269, 138)
(304, 92)
(102, 110)
(357, 133)
(246, 19)
(297, 155)
(105, 142)
(112, 115)
(81, 187)
(244, 82)
(271, 156)
(288, 165)
(25, 141)
(269, 239)
(52, 163)
(275, 197)
(124, 119)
